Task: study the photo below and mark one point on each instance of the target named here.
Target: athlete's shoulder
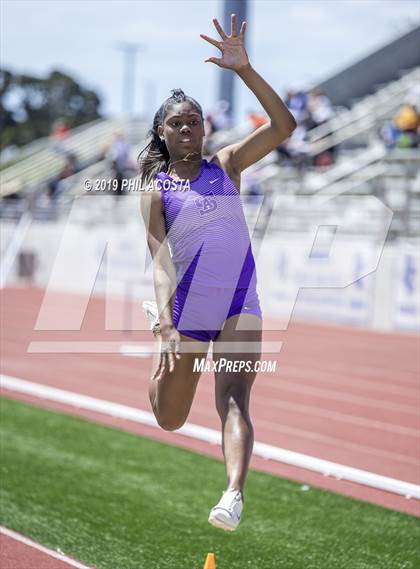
(231, 178)
(214, 163)
(218, 163)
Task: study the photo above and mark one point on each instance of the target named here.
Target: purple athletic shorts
(201, 313)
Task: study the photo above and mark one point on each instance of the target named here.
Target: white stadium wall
(114, 260)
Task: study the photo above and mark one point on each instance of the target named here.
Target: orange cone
(210, 562)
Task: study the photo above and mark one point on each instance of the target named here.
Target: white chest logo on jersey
(206, 204)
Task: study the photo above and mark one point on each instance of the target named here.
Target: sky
(291, 43)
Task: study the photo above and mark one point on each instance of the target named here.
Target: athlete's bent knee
(169, 424)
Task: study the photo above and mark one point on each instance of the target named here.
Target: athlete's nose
(185, 128)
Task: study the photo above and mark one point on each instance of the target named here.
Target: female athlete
(203, 266)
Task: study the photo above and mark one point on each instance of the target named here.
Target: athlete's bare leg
(172, 395)
(232, 397)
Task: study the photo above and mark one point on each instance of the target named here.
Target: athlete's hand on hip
(232, 47)
(170, 350)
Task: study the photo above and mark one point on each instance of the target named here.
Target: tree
(29, 105)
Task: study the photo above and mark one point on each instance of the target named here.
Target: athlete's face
(182, 130)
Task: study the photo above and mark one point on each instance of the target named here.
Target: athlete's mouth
(185, 140)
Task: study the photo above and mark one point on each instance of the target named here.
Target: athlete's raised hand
(232, 47)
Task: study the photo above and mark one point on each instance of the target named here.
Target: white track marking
(38, 547)
(105, 347)
(212, 436)
(266, 402)
(334, 415)
(136, 350)
(348, 398)
(314, 377)
(333, 441)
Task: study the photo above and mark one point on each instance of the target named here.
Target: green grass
(118, 501)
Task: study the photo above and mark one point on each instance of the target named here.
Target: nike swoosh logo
(212, 181)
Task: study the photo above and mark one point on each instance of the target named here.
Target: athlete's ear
(160, 131)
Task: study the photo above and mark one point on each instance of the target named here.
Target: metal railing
(87, 143)
(363, 115)
(13, 247)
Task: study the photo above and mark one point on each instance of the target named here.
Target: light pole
(129, 83)
(226, 83)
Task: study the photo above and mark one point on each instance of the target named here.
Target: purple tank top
(207, 233)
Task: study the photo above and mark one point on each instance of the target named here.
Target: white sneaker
(227, 513)
(152, 314)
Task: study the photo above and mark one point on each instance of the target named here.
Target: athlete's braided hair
(154, 157)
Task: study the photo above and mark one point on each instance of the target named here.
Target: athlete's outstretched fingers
(215, 60)
(242, 30)
(157, 372)
(211, 40)
(163, 365)
(178, 350)
(171, 359)
(233, 28)
(219, 29)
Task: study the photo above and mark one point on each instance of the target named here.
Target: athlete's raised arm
(236, 157)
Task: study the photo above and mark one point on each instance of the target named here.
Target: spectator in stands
(294, 149)
(55, 187)
(297, 102)
(320, 108)
(320, 111)
(404, 130)
(59, 133)
(119, 156)
(407, 121)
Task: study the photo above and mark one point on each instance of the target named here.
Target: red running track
(27, 554)
(346, 395)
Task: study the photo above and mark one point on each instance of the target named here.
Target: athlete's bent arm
(267, 137)
(164, 276)
(237, 157)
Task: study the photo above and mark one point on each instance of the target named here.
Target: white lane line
(212, 436)
(312, 411)
(38, 547)
(272, 402)
(105, 347)
(314, 376)
(394, 376)
(334, 441)
(334, 395)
